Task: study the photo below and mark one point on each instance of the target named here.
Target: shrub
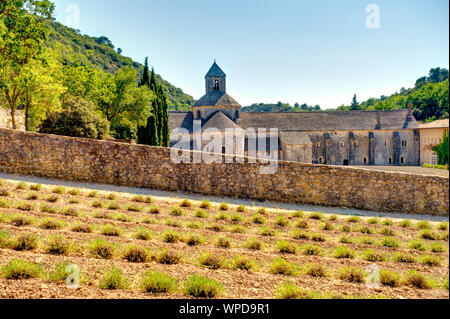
(353, 219)
(177, 211)
(22, 186)
(142, 233)
(52, 224)
(266, 231)
(101, 215)
(344, 252)
(48, 209)
(390, 242)
(4, 239)
(36, 187)
(298, 234)
(373, 256)
(254, 244)
(332, 218)
(244, 263)
(366, 230)
(73, 201)
(430, 260)
(236, 218)
(428, 235)
(123, 218)
(205, 204)
(169, 257)
(311, 250)
(142, 199)
(185, 203)
(157, 282)
(387, 232)
(258, 219)
(389, 278)
(224, 207)
(442, 226)
(202, 287)
(23, 242)
(70, 211)
(52, 198)
(223, 242)
(351, 274)
(4, 203)
(81, 228)
(327, 226)
(404, 258)
(210, 261)
(113, 278)
(281, 221)
(111, 230)
(345, 228)
(58, 190)
(32, 196)
(366, 240)
(74, 192)
(57, 245)
(199, 213)
(345, 239)
(317, 237)
(281, 266)
(417, 280)
(21, 220)
(289, 290)
(61, 272)
(417, 245)
(101, 248)
(373, 221)
(155, 210)
(111, 196)
(27, 207)
(97, 204)
(194, 240)
(438, 248)
(444, 236)
(4, 192)
(195, 225)
(21, 269)
(170, 237)
(173, 223)
(215, 227)
(315, 270)
(262, 211)
(446, 282)
(241, 209)
(221, 216)
(284, 246)
(424, 225)
(303, 224)
(316, 216)
(135, 254)
(238, 229)
(406, 223)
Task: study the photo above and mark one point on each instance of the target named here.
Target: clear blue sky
(315, 52)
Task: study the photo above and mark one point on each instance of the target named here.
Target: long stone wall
(144, 166)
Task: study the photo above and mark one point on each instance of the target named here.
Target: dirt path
(175, 197)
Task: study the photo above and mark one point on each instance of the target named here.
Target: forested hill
(429, 98)
(100, 53)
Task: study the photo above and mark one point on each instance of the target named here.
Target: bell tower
(215, 80)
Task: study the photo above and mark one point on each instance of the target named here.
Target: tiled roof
(218, 99)
(435, 124)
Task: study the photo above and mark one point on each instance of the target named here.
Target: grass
(169, 257)
(303, 224)
(351, 274)
(113, 278)
(19, 220)
(344, 252)
(327, 226)
(280, 266)
(353, 219)
(286, 247)
(210, 261)
(203, 287)
(387, 232)
(173, 222)
(318, 237)
(194, 240)
(62, 272)
(224, 207)
(281, 221)
(428, 235)
(26, 207)
(345, 228)
(387, 222)
(424, 225)
(244, 263)
(133, 207)
(404, 258)
(241, 209)
(100, 248)
(4, 239)
(155, 210)
(438, 248)
(171, 237)
(268, 232)
(430, 260)
(156, 282)
(222, 216)
(93, 194)
(58, 190)
(25, 242)
(81, 228)
(70, 211)
(186, 203)
(258, 219)
(111, 230)
(373, 221)
(22, 186)
(36, 187)
(223, 242)
(199, 213)
(53, 198)
(123, 217)
(299, 234)
(73, 201)
(417, 244)
(45, 208)
(389, 278)
(254, 244)
(316, 216)
(57, 245)
(236, 218)
(74, 192)
(390, 242)
(142, 233)
(177, 211)
(442, 226)
(113, 206)
(205, 204)
(315, 270)
(20, 269)
(263, 211)
(373, 256)
(417, 280)
(366, 240)
(135, 254)
(32, 196)
(366, 230)
(406, 223)
(311, 250)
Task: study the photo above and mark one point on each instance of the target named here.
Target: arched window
(318, 144)
(365, 160)
(390, 160)
(342, 144)
(402, 160)
(320, 160)
(216, 85)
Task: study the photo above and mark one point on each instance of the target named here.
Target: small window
(434, 159)
(342, 144)
(320, 160)
(365, 160)
(216, 85)
(223, 150)
(402, 160)
(404, 143)
(318, 144)
(390, 160)
(385, 143)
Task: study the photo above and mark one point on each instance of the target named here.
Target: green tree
(442, 150)
(149, 134)
(22, 36)
(355, 104)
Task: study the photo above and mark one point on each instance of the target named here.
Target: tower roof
(215, 70)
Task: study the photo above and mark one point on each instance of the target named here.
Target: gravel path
(172, 196)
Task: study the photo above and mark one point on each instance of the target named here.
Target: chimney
(409, 116)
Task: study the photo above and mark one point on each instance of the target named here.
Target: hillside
(74, 47)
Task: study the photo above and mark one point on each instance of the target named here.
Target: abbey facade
(332, 138)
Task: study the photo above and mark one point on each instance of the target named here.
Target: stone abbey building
(333, 137)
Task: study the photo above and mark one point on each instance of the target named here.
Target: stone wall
(143, 166)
